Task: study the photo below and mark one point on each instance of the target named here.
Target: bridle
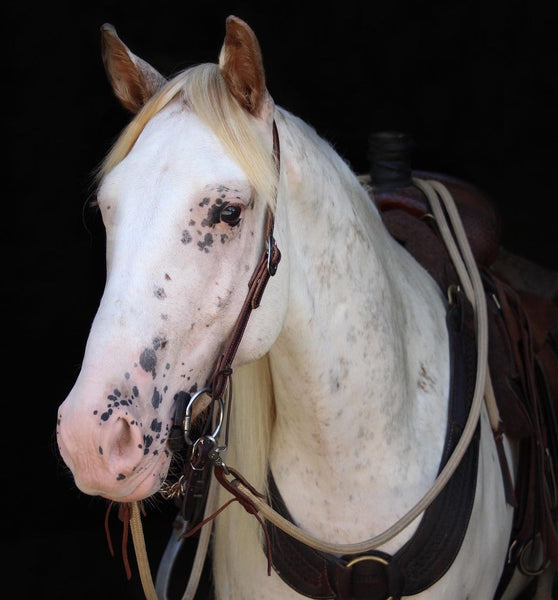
(205, 449)
(266, 268)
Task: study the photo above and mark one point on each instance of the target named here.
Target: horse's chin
(142, 492)
(136, 488)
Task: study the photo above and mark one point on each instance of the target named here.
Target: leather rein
(205, 453)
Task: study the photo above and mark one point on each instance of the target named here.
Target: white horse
(343, 390)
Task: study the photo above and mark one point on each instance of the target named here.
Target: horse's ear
(133, 80)
(242, 67)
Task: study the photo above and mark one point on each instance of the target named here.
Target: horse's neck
(360, 369)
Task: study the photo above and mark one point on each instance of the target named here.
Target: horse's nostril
(124, 438)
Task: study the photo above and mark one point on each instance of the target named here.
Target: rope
(203, 544)
(141, 553)
(478, 301)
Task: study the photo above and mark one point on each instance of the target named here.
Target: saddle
(523, 355)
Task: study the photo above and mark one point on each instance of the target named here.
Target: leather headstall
(193, 484)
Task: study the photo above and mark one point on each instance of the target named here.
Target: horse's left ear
(242, 67)
(133, 80)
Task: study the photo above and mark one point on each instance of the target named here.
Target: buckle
(273, 256)
(369, 581)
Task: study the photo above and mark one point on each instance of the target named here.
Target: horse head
(183, 196)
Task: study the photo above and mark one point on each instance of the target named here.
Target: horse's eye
(231, 214)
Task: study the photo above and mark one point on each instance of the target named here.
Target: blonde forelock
(203, 90)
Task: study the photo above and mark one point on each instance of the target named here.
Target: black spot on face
(206, 243)
(148, 360)
(120, 477)
(159, 343)
(105, 416)
(186, 237)
(213, 215)
(159, 293)
(156, 398)
(147, 441)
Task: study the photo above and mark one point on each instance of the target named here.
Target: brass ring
(358, 559)
(373, 558)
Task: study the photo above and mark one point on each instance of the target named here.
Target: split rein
(453, 234)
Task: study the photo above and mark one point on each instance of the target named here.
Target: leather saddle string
(462, 257)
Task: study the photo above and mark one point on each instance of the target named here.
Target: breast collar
(432, 549)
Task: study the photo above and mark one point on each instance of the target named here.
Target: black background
(475, 84)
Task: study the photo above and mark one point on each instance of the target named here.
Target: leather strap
(433, 547)
(266, 268)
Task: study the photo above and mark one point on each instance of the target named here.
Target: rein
(458, 247)
(464, 262)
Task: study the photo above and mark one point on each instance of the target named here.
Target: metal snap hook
(220, 420)
(187, 423)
